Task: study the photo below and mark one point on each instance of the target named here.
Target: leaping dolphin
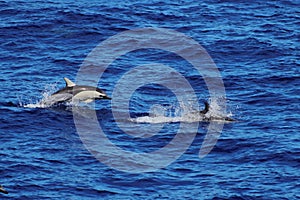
(78, 93)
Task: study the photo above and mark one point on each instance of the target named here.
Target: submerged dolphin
(212, 118)
(77, 93)
(3, 190)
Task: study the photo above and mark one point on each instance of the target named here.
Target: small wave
(50, 102)
(156, 119)
(189, 118)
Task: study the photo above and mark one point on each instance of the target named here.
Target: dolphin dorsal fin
(69, 83)
(206, 109)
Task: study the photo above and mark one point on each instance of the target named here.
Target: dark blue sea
(73, 151)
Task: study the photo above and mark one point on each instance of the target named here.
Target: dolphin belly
(86, 96)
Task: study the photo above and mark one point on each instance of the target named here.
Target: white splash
(184, 112)
(45, 102)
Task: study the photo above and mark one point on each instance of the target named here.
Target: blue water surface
(255, 45)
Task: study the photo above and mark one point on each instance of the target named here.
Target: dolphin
(3, 190)
(212, 118)
(78, 93)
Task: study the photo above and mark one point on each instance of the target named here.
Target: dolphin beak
(107, 97)
(3, 190)
(103, 97)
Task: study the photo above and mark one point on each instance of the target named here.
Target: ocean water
(255, 47)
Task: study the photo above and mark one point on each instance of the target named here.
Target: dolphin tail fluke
(206, 109)
(69, 83)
